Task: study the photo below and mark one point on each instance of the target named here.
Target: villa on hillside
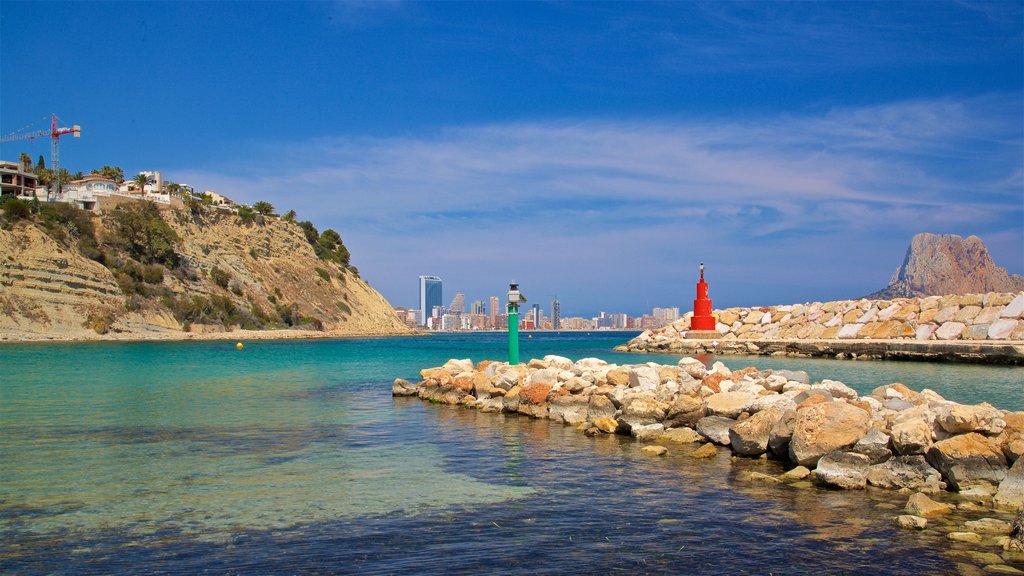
(15, 181)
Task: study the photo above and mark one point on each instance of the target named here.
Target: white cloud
(599, 197)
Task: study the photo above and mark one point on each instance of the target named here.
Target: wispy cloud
(592, 198)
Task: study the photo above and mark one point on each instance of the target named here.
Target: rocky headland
(141, 273)
(944, 455)
(970, 327)
(940, 264)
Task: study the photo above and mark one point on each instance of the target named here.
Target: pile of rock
(992, 316)
(893, 438)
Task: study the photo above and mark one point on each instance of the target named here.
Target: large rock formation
(49, 289)
(936, 265)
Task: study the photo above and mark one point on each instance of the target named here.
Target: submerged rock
(707, 450)
(921, 505)
(910, 522)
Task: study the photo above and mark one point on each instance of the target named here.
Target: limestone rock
(905, 472)
(950, 331)
(909, 522)
(750, 437)
(728, 404)
(958, 419)
(921, 505)
(606, 425)
(874, 445)
(681, 436)
(988, 526)
(782, 433)
(569, 409)
(654, 450)
(695, 368)
(600, 407)
(715, 429)
(402, 387)
(1011, 489)
(844, 470)
(647, 433)
(912, 436)
(964, 537)
(795, 475)
(948, 264)
(823, 428)
(644, 377)
(559, 362)
(707, 450)
(968, 459)
(642, 409)
(618, 377)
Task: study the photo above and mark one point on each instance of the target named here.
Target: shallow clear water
(292, 456)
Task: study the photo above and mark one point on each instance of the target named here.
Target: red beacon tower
(702, 318)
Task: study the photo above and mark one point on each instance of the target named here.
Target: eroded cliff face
(48, 289)
(937, 265)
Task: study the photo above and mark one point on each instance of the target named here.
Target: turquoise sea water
(291, 456)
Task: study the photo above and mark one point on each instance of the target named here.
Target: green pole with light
(514, 299)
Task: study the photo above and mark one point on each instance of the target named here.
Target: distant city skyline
(597, 151)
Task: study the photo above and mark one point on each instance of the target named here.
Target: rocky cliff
(937, 265)
(264, 275)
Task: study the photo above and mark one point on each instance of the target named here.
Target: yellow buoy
(239, 346)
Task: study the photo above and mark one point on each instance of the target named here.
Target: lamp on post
(515, 298)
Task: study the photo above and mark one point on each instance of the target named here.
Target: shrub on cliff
(14, 208)
(138, 229)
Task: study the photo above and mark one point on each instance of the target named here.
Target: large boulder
(874, 445)
(906, 472)
(844, 470)
(695, 368)
(782, 433)
(643, 408)
(1011, 441)
(681, 435)
(685, 410)
(750, 437)
(716, 429)
(648, 432)
(402, 387)
(560, 362)
(600, 407)
(968, 459)
(644, 377)
(911, 435)
(921, 505)
(728, 404)
(1011, 490)
(570, 409)
(823, 428)
(618, 377)
(959, 419)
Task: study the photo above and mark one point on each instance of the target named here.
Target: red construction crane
(54, 133)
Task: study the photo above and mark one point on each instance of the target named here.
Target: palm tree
(264, 208)
(142, 180)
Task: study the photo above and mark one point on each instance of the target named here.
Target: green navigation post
(514, 299)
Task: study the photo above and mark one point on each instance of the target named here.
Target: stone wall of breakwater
(972, 327)
(893, 438)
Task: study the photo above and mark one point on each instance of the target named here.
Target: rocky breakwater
(972, 327)
(824, 432)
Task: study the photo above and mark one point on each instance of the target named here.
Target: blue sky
(597, 151)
